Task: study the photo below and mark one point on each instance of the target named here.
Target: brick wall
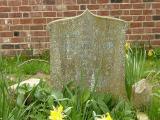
(23, 22)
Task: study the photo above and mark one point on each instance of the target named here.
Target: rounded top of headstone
(87, 12)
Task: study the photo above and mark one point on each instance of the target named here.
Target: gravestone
(88, 49)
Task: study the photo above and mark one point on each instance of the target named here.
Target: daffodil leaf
(67, 111)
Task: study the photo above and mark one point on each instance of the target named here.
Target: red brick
(102, 1)
(40, 39)
(155, 42)
(156, 30)
(125, 12)
(3, 3)
(79, 12)
(135, 12)
(135, 24)
(3, 15)
(4, 28)
(16, 21)
(59, 2)
(37, 8)
(23, 34)
(134, 37)
(39, 21)
(6, 34)
(147, 37)
(26, 15)
(36, 27)
(16, 27)
(148, 24)
(125, 6)
(47, 8)
(157, 24)
(23, 46)
(148, 18)
(127, 18)
(136, 1)
(49, 2)
(113, 6)
(38, 33)
(7, 46)
(25, 8)
(15, 9)
(116, 12)
(59, 14)
(93, 7)
(147, 12)
(14, 2)
(72, 7)
(128, 31)
(26, 27)
(138, 6)
(25, 2)
(26, 21)
(138, 18)
(157, 11)
(93, 1)
(148, 6)
(103, 13)
(36, 14)
(49, 14)
(148, 30)
(138, 31)
(83, 1)
(69, 2)
(2, 21)
(35, 2)
(15, 15)
(155, 5)
(69, 14)
(5, 9)
(17, 39)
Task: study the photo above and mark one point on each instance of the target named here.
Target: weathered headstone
(88, 48)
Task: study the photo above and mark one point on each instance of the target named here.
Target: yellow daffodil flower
(150, 52)
(57, 113)
(127, 46)
(105, 117)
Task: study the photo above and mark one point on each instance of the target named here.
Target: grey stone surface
(142, 116)
(30, 82)
(141, 93)
(88, 49)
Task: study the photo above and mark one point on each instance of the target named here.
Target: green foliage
(33, 66)
(157, 53)
(79, 103)
(9, 110)
(25, 65)
(154, 107)
(134, 67)
(83, 103)
(123, 111)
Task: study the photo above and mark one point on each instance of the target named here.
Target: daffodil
(57, 113)
(105, 117)
(150, 52)
(127, 46)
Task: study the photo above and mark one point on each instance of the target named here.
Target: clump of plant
(134, 66)
(154, 107)
(9, 110)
